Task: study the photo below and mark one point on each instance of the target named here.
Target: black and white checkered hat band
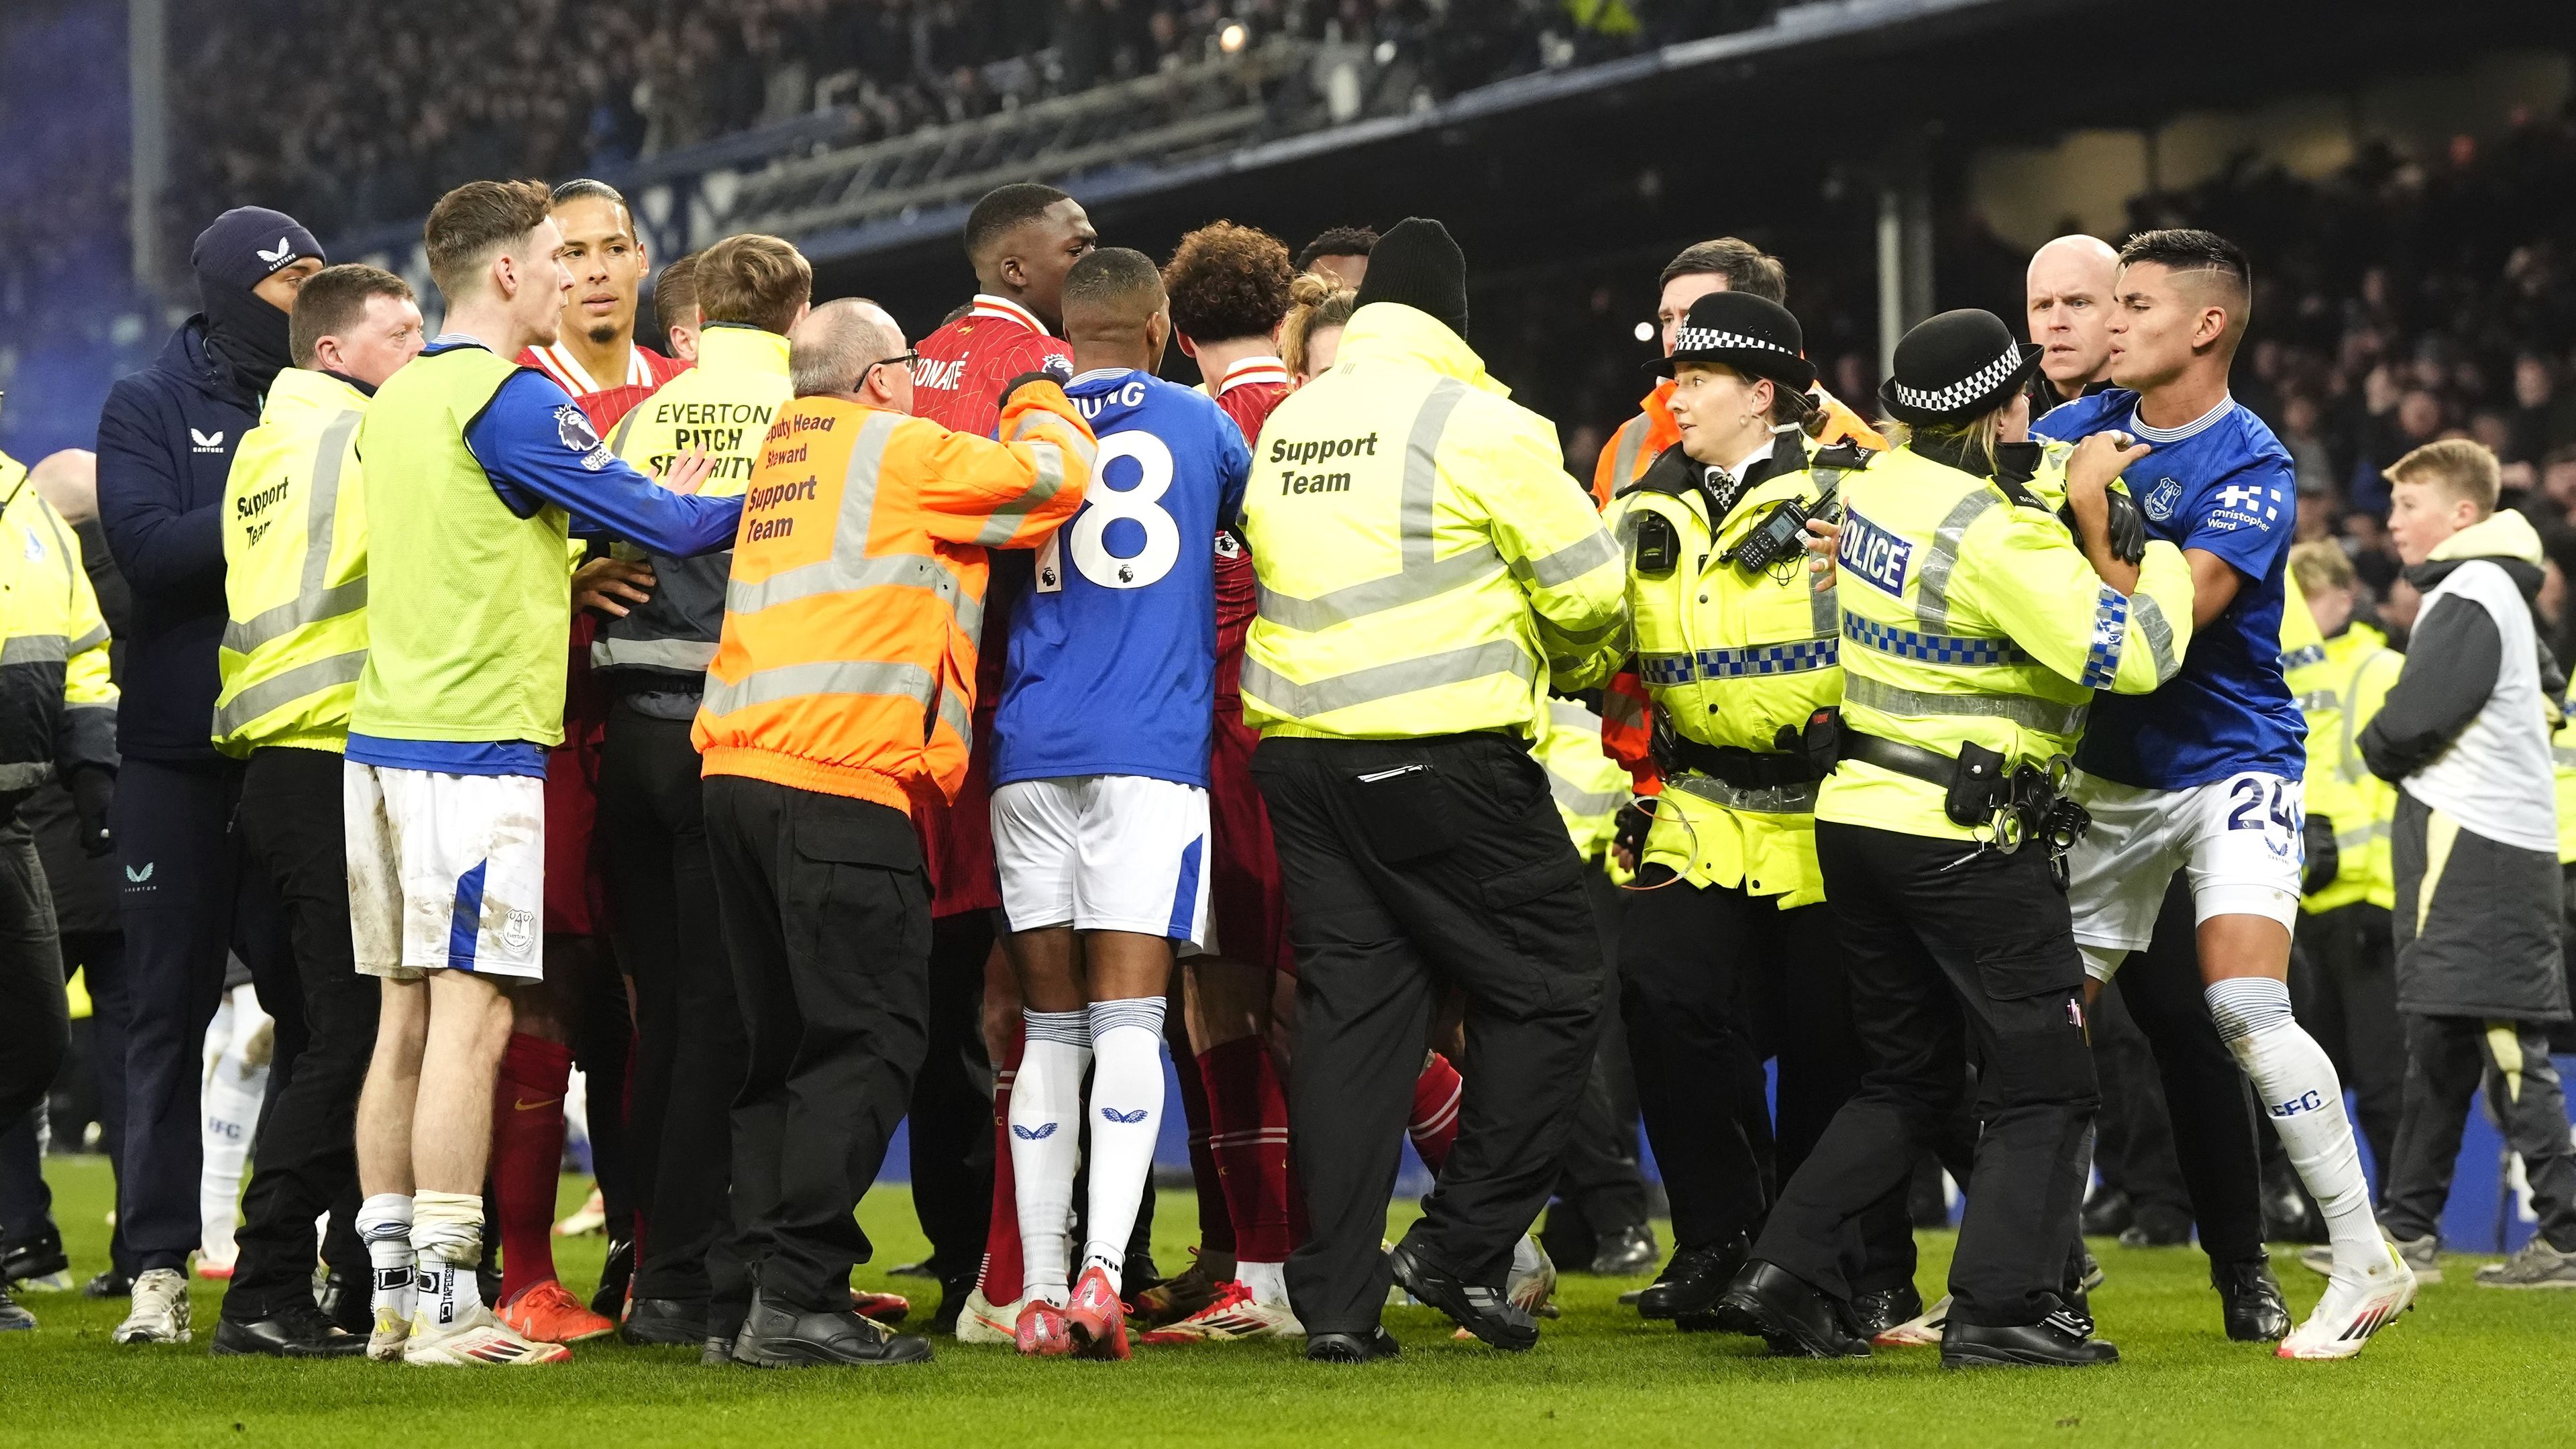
(1712, 339)
(1966, 390)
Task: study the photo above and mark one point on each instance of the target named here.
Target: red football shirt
(645, 368)
(1247, 393)
(957, 383)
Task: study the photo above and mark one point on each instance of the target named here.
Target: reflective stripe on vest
(879, 677)
(1418, 575)
(312, 603)
(1795, 658)
(1005, 519)
(1631, 444)
(850, 569)
(1932, 596)
(687, 656)
(1385, 681)
(2046, 716)
(36, 649)
(1575, 800)
(280, 690)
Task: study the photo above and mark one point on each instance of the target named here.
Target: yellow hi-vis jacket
(2340, 691)
(1970, 617)
(1588, 785)
(57, 705)
(295, 571)
(1426, 567)
(1731, 659)
(2562, 755)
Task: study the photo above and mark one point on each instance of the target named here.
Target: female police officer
(1975, 630)
(1739, 656)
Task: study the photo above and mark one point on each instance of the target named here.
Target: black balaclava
(234, 254)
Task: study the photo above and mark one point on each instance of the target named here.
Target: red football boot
(1041, 1331)
(1097, 1318)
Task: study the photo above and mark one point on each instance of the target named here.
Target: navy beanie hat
(236, 253)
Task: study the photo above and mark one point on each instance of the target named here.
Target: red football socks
(1216, 1220)
(1248, 1122)
(527, 1157)
(1434, 1123)
(1004, 1272)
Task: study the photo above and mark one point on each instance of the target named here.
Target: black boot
(1367, 1347)
(2155, 1225)
(616, 1274)
(1623, 1254)
(300, 1332)
(1693, 1281)
(1790, 1314)
(786, 1338)
(39, 1257)
(1482, 1311)
(2064, 1339)
(2250, 1299)
(1876, 1312)
(674, 1321)
(2107, 1213)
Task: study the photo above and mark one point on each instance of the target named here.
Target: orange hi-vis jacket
(847, 660)
(1642, 439)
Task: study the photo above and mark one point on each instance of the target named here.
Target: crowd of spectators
(2400, 299)
(366, 113)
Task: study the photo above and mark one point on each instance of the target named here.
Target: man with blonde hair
(2465, 738)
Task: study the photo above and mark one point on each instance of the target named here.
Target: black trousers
(26, 1200)
(952, 1106)
(1471, 883)
(2133, 1140)
(826, 910)
(35, 1021)
(2446, 1057)
(99, 957)
(2343, 982)
(2203, 1120)
(306, 1161)
(1600, 1185)
(1948, 960)
(187, 900)
(690, 1048)
(1713, 981)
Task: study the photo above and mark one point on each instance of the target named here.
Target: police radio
(1780, 537)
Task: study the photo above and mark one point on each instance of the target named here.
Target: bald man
(2067, 296)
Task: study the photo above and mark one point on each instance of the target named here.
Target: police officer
(1975, 630)
(1739, 654)
(1426, 571)
(295, 584)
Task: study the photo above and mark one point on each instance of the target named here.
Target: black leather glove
(2128, 527)
(2325, 858)
(93, 788)
(1635, 818)
(1052, 372)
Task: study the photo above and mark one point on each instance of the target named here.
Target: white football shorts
(446, 872)
(1104, 853)
(2239, 839)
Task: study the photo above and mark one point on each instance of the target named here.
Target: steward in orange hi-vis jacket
(847, 664)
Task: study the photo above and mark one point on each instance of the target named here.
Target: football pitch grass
(2465, 1362)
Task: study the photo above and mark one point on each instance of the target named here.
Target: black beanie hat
(1418, 264)
(235, 253)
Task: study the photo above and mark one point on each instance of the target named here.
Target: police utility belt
(2009, 804)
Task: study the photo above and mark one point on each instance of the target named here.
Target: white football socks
(1046, 1146)
(1266, 1282)
(447, 1238)
(384, 1225)
(2295, 1082)
(1127, 1103)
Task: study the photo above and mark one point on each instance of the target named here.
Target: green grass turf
(2467, 1361)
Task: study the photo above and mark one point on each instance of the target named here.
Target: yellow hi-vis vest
(1426, 567)
(295, 571)
(1969, 617)
(1589, 786)
(57, 701)
(1732, 659)
(2344, 689)
(2562, 755)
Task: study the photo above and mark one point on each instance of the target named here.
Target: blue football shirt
(2221, 483)
(1112, 664)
